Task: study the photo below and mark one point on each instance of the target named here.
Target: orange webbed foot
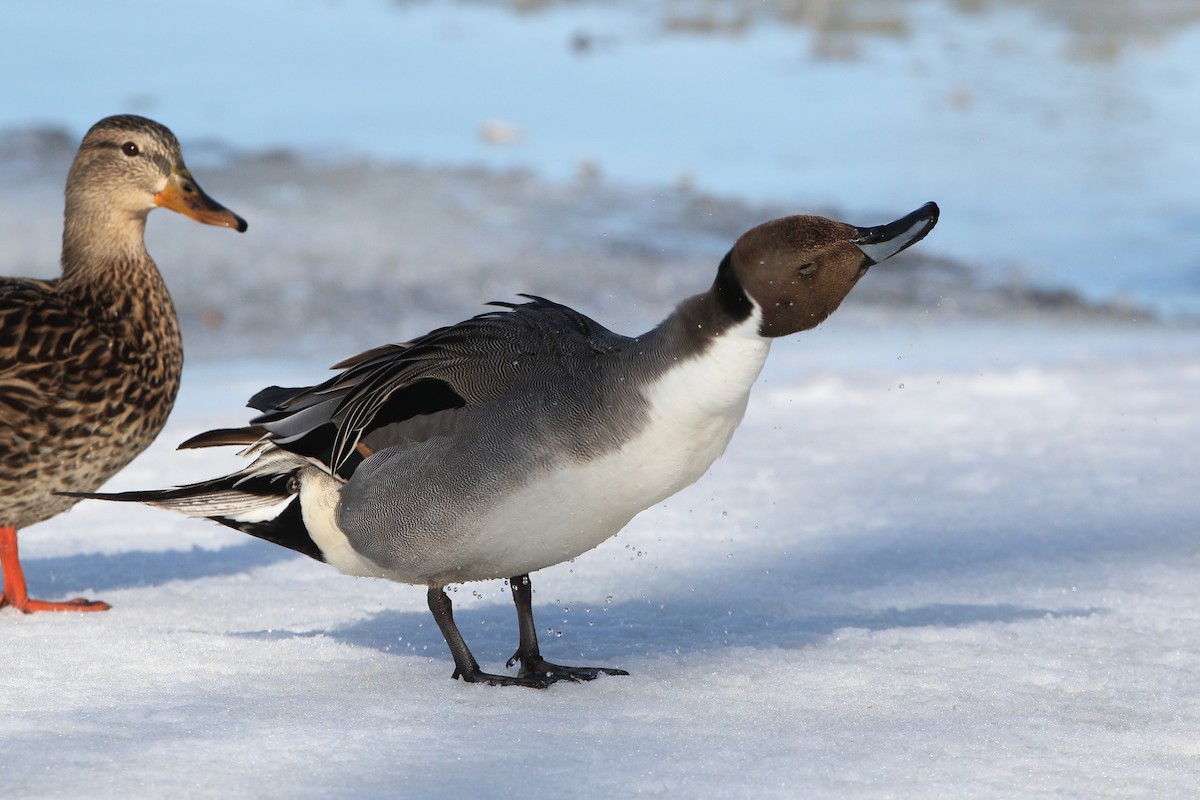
(81, 604)
(15, 593)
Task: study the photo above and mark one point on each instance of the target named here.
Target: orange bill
(184, 195)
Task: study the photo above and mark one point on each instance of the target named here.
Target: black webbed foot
(536, 667)
(479, 676)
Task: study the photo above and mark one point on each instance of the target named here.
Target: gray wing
(414, 391)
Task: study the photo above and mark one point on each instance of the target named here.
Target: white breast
(568, 510)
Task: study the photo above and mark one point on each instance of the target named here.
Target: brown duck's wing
(82, 376)
(51, 355)
(63, 423)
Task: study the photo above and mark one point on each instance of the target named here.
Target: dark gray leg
(528, 653)
(465, 665)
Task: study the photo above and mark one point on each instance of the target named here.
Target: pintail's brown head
(798, 270)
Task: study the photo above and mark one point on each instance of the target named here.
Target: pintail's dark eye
(130, 149)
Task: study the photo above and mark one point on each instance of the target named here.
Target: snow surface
(952, 551)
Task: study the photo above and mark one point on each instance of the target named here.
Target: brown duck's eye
(806, 269)
(130, 149)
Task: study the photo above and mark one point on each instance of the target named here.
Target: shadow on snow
(88, 573)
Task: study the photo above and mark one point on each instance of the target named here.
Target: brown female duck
(90, 361)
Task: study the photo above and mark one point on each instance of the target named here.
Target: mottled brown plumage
(90, 362)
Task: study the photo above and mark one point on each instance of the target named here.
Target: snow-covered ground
(952, 551)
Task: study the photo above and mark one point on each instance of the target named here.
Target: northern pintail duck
(90, 361)
(526, 436)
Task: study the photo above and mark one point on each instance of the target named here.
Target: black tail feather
(273, 397)
(286, 530)
(223, 437)
(263, 502)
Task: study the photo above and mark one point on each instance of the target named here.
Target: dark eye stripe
(162, 162)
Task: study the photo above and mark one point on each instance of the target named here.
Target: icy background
(950, 553)
(1060, 132)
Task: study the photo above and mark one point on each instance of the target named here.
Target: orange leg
(15, 593)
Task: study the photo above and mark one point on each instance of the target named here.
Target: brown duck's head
(131, 164)
(799, 269)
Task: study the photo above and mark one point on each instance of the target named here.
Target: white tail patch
(226, 503)
(264, 513)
